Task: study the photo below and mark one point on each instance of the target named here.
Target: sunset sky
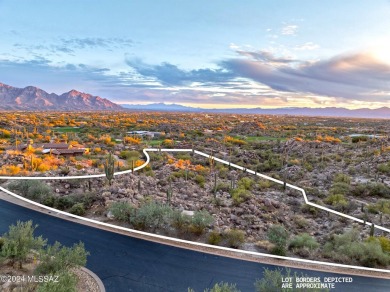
(219, 53)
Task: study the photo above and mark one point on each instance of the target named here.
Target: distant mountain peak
(383, 112)
(34, 98)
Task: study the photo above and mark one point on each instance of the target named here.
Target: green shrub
(384, 168)
(200, 221)
(121, 210)
(127, 154)
(31, 189)
(214, 238)
(380, 206)
(341, 177)
(223, 287)
(19, 241)
(347, 248)
(67, 282)
(240, 195)
(385, 243)
(49, 200)
(78, 209)
(278, 235)
(180, 221)
(379, 189)
(272, 281)
(1, 243)
(337, 200)
(56, 258)
(200, 180)
(245, 183)
(303, 240)
(340, 188)
(66, 202)
(235, 238)
(151, 215)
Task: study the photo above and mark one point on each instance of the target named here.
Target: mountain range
(33, 98)
(383, 112)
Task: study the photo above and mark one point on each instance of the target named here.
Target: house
(52, 146)
(145, 134)
(68, 152)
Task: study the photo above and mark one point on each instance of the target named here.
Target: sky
(205, 53)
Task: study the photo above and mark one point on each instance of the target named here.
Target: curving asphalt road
(129, 264)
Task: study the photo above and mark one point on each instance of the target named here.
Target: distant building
(145, 134)
(68, 152)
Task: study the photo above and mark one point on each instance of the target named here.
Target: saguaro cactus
(109, 168)
(169, 193)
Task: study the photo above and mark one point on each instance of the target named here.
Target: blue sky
(220, 53)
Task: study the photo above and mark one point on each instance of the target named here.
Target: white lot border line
(186, 241)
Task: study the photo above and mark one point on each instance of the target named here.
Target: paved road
(129, 264)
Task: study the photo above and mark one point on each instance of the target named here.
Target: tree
(109, 168)
(20, 240)
(278, 236)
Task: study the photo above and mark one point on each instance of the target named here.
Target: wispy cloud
(71, 45)
(290, 29)
(307, 46)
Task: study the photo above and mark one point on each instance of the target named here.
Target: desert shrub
(264, 184)
(121, 210)
(309, 209)
(49, 200)
(225, 187)
(245, 183)
(379, 189)
(31, 189)
(337, 200)
(200, 221)
(200, 180)
(235, 238)
(384, 168)
(360, 190)
(300, 221)
(180, 221)
(64, 203)
(151, 215)
(223, 287)
(347, 248)
(55, 258)
(240, 195)
(78, 209)
(343, 178)
(272, 281)
(278, 235)
(385, 243)
(67, 282)
(127, 154)
(303, 240)
(214, 238)
(380, 206)
(19, 241)
(340, 188)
